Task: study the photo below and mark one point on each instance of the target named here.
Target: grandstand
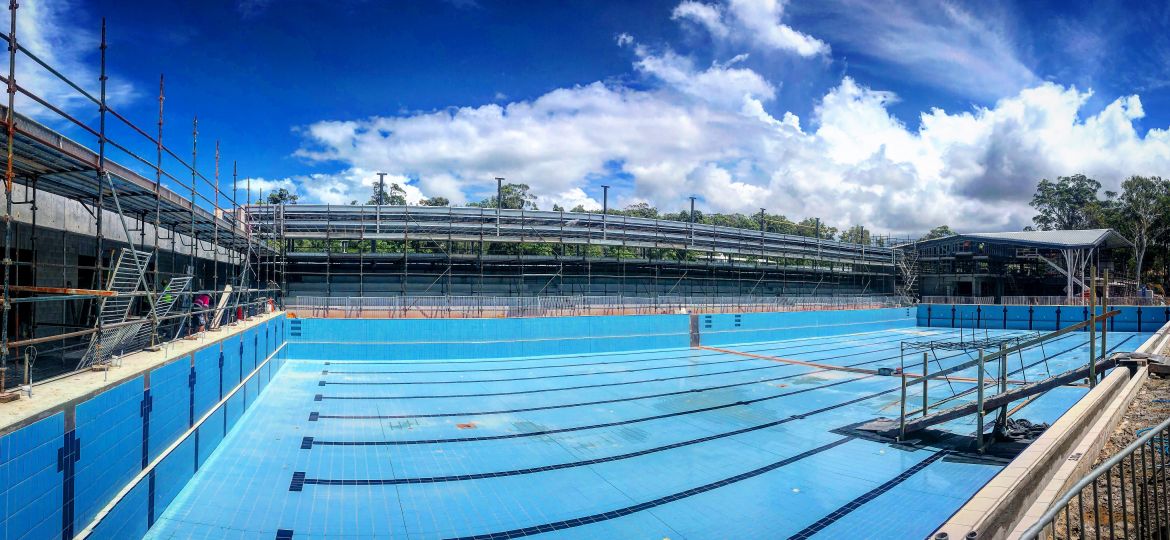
(340, 250)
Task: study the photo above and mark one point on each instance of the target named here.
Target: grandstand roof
(1083, 239)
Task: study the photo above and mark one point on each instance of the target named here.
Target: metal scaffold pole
(154, 337)
(10, 127)
(215, 222)
(194, 174)
(101, 171)
(237, 217)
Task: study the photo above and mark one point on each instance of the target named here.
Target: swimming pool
(598, 427)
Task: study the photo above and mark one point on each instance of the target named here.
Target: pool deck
(59, 393)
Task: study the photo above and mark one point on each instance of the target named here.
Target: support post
(10, 127)
(499, 201)
(604, 209)
(1093, 327)
(925, 382)
(194, 175)
(979, 407)
(902, 416)
(215, 234)
(101, 171)
(154, 336)
(1105, 323)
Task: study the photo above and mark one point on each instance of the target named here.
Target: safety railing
(1125, 497)
(1082, 301)
(548, 306)
(958, 300)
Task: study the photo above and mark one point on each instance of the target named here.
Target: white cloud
(706, 132)
(48, 29)
(719, 84)
(939, 43)
(973, 170)
(752, 21)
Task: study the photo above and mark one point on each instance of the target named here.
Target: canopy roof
(1083, 239)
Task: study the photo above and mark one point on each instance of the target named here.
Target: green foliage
(941, 231)
(1068, 203)
(856, 235)
(516, 197)
(282, 196)
(435, 201)
(393, 196)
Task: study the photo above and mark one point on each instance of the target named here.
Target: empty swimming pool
(599, 427)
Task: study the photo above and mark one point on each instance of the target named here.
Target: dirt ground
(1143, 479)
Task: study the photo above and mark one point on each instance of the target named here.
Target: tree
(641, 209)
(941, 231)
(435, 201)
(1069, 203)
(282, 196)
(1141, 214)
(516, 197)
(855, 235)
(393, 196)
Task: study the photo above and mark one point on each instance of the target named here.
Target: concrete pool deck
(59, 393)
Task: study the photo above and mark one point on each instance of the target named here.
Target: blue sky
(896, 115)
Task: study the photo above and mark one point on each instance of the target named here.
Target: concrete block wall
(59, 472)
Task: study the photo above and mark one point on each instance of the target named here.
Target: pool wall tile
(1040, 318)
(110, 430)
(424, 339)
(31, 481)
(128, 519)
(54, 481)
(170, 392)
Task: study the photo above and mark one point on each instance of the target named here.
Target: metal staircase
(124, 280)
(165, 302)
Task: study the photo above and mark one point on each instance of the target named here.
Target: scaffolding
(357, 250)
(118, 188)
(171, 232)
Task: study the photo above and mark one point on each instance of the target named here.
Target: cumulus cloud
(49, 30)
(752, 21)
(975, 169)
(708, 131)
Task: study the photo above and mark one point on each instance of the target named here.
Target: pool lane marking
(620, 512)
(314, 416)
(538, 377)
(833, 344)
(849, 507)
(311, 441)
(321, 397)
(300, 479)
(828, 367)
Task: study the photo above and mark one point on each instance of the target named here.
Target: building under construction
(113, 226)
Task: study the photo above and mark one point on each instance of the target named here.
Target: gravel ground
(1146, 471)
